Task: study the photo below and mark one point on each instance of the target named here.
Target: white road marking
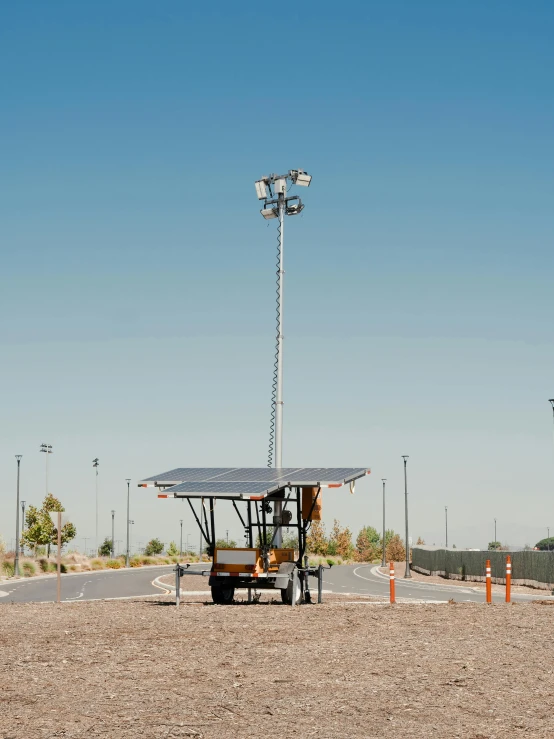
(3, 594)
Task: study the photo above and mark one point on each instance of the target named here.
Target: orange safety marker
(488, 581)
(391, 581)
(508, 578)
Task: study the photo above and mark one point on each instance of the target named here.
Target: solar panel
(189, 474)
(215, 488)
(249, 481)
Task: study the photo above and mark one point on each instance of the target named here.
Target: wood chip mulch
(143, 668)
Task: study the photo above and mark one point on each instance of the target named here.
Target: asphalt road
(133, 583)
(86, 586)
(365, 580)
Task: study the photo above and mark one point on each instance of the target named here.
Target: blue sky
(137, 281)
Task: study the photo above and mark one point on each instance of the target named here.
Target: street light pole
(446, 523)
(495, 534)
(22, 526)
(127, 554)
(95, 463)
(46, 449)
(384, 553)
(407, 573)
(113, 534)
(181, 542)
(16, 561)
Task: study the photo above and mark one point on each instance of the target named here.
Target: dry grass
(75, 562)
(146, 669)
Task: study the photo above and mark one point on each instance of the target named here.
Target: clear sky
(137, 280)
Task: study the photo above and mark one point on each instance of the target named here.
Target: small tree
(316, 541)
(545, 544)
(494, 545)
(172, 550)
(421, 542)
(340, 541)
(39, 528)
(396, 551)
(367, 545)
(105, 549)
(154, 546)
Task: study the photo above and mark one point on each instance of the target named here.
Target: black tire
(223, 594)
(287, 593)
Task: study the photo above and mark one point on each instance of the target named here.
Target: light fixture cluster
(273, 189)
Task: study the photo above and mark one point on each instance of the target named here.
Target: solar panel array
(247, 481)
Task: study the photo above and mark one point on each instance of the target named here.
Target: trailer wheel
(223, 595)
(293, 589)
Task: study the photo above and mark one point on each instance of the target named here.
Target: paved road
(364, 580)
(86, 586)
(133, 583)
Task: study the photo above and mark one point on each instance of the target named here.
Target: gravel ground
(145, 669)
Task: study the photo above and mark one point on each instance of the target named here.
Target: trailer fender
(284, 574)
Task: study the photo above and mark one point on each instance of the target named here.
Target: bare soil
(147, 669)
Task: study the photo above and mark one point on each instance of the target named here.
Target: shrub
(316, 541)
(135, 561)
(395, 549)
(29, 568)
(340, 541)
(367, 545)
(330, 562)
(154, 546)
(113, 564)
(43, 564)
(97, 564)
(8, 568)
(172, 550)
(146, 561)
(105, 549)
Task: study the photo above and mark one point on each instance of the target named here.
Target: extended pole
(127, 553)
(181, 542)
(278, 540)
(113, 534)
(22, 525)
(407, 573)
(384, 557)
(16, 562)
(446, 523)
(59, 562)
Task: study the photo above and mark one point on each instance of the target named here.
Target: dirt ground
(131, 669)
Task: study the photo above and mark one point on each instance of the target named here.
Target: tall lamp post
(95, 463)
(46, 449)
(495, 540)
(407, 573)
(127, 551)
(22, 525)
(16, 562)
(384, 557)
(113, 534)
(446, 523)
(277, 205)
(181, 542)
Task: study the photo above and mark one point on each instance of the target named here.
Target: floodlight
(299, 177)
(261, 191)
(269, 213)
(280, 186)
(294, 210)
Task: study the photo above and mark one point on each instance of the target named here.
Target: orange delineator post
(508, 578)
(488, 581)
(391, 581)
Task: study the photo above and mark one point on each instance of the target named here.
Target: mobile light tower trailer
(254, 493)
